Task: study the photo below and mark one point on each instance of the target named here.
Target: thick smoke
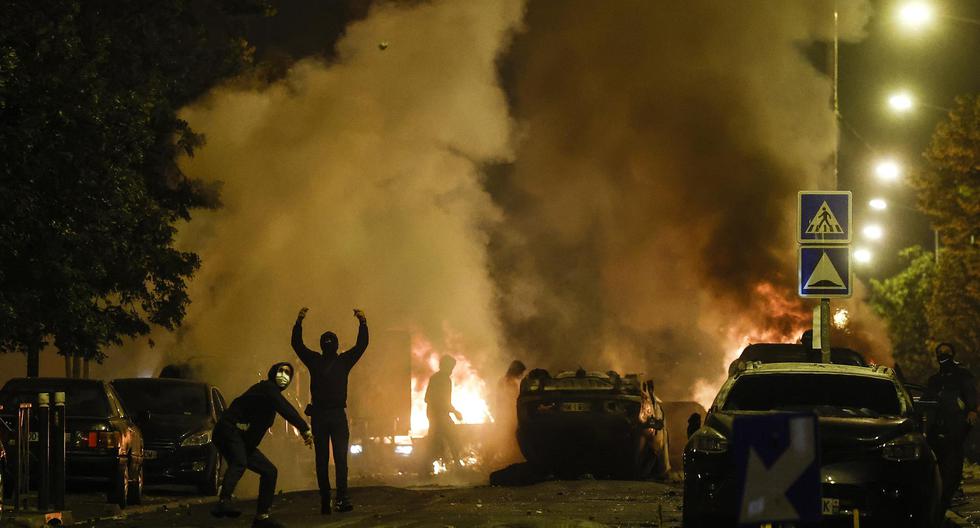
(649, 212)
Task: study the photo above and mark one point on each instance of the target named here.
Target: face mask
(282, 378)
(944, 359)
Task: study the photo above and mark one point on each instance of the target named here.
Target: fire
(780, 317)
(469, 389)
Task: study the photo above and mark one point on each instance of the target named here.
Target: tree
(903, 300)
(949, 193)
(90, 191)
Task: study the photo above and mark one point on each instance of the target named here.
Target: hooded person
(328, 387)
(954, 390)
(240, 430)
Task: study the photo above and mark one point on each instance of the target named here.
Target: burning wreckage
(600, 424)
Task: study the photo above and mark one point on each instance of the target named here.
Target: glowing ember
(438, 466)
(469, 390)
(840, 318)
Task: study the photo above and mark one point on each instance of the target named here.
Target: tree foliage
(90, 191)
(902, 300)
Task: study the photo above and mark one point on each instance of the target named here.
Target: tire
(134, 494)
(119, 486)
(212, 479)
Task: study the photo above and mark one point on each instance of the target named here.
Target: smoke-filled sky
(567, 182)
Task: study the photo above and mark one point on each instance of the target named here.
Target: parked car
(793, 353)
(874, 458)
(601, 424)
(177, 418)
(103, 445)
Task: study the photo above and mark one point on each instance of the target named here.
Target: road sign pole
(825, 330)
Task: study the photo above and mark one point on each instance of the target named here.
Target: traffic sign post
(823, 230)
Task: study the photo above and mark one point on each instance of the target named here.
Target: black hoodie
(255, 410)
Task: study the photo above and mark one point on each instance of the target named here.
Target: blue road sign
(825, 271)
(824, 217)
(777, 464)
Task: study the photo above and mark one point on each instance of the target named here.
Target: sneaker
(343, 505)
(267, 522)
(325, 507)
(223, 508)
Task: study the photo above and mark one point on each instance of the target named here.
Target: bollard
(44, 451)
(58, 432)
(23, 456)
(857, 518)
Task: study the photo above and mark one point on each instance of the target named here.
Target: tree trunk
(33, 363)
(76, 365)
(67, 365)
(85, 368)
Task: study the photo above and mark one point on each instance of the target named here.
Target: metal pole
(23, 456)
(836, 98)
(935, 233)
(44, 451)
(825, 330)
(58, 452)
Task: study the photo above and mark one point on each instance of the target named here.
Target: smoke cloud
(648, 215)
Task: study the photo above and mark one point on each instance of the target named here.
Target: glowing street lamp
(873, 232)
(901, 102)
(862, 255)
(878, 204)
(888, 170)
(915, 15)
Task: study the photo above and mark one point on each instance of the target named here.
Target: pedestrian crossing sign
(824, 217)
(825, 271)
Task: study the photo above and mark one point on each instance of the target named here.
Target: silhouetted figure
(240, 430)
(954, 388)
(328, 387)
(693, 424)
(439, 407)
(505, 414)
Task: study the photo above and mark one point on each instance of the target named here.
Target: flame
(469, 389)
(780, 317)
(841, 318)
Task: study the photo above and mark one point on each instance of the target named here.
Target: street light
(888, 170)
(915, 15)
(862, 255)
(878, 204)
(901, 102)
(873, 232)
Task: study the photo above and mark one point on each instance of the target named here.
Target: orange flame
(784, 320)
(469, 389)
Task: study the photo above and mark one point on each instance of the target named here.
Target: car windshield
(825, 394)
(80, 399)
(162, 397)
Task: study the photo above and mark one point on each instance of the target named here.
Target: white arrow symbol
(765, 488)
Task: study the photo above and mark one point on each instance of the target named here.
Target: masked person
(505, 415)
(954, 388)
(439, 407)
(328, 386)
(240, 430)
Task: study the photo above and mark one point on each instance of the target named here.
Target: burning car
(601, 424)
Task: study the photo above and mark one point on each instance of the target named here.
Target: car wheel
(134, 494)
(212, 478)
(119, 487)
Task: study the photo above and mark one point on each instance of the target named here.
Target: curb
(148, 508)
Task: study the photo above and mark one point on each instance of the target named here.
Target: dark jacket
(955, 390)
(439, 395)
(255, 410)
(328, 373)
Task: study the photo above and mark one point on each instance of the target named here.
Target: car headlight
(197, 439)
(403, 450)
(902, 449)
(707, 440)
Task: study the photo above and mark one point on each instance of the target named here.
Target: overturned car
(601, 424)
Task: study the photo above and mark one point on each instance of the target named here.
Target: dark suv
(103, 445)
(873, 452)
(177, 417)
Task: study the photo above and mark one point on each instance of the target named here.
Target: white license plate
(830, 506)
(149, 454)
(574, 407)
